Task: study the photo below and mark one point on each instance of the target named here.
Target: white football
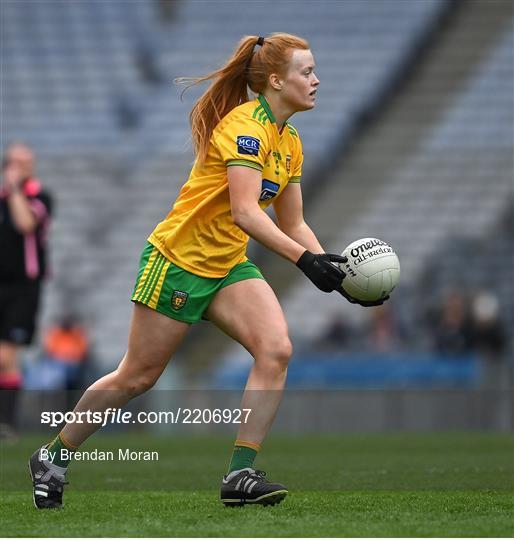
(372, 270)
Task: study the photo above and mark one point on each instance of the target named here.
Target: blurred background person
(62, 362)
(25, 210)
(62, 365)
(488, 334)
(337, 335)
(488, 339)
(384, 332)
(451, 325)
(66, 344)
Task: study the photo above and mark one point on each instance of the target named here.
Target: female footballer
(194, 264)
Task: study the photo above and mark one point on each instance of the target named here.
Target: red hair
(245, 69)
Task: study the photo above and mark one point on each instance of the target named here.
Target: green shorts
(177, 293)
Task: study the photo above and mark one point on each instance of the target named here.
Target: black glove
(320, 270)
(363, 303)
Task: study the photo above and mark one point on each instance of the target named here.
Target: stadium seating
(441, 213)
(456, 185)
(90, 89)
(82, 66)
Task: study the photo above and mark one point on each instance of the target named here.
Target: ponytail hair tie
(260, 41)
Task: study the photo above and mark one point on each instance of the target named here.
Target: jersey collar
(266, 107)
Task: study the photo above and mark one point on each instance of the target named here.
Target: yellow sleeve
(297, 167)
(245, 142)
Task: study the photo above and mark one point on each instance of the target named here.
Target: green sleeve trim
(244, 163)
(295, 179)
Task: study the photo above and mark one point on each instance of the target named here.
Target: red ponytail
(245, 68)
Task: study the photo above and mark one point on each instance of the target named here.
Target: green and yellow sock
(58, 444)
(243, 455)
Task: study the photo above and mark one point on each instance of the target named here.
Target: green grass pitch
(348, 485)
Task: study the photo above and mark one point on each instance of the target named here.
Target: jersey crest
(178, 299)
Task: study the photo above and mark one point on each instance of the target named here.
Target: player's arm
(245, 188)
(21, 213)
(289, 211)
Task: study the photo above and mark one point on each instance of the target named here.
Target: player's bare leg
(249, 312)
(153, 340)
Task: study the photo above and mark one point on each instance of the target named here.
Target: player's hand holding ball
(321, 271)
(372, 271)
(365, 273)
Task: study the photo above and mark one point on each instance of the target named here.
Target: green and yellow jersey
(199, 234)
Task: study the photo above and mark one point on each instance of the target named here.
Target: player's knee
(137, 384)
(275, 351)
(285, 350)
